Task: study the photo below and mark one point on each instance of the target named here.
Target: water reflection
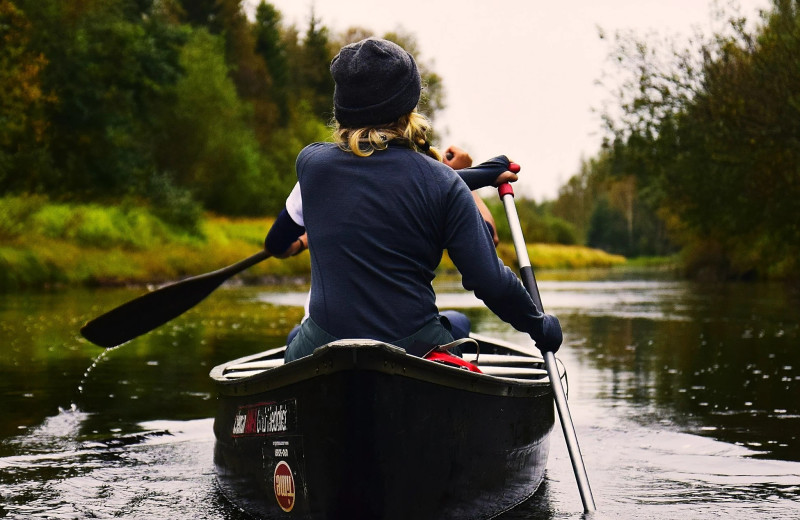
(684, 398)
(721, 361)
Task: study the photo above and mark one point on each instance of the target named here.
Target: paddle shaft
(529, 281)
(151, 310)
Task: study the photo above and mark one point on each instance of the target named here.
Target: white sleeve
(294, 205)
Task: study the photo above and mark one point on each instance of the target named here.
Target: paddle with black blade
(529, 281)
(149, 311)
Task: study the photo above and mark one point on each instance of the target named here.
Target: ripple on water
(163, 469)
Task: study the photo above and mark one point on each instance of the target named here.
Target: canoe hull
(367, 431)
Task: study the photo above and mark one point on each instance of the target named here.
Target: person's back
(377, 226)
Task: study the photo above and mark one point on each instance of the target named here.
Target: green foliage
(23, 101)
(186, 104)
(607, 228)
(19, 269)
(44, 243)
(174, 204)
(211, 146)
(87, 225)
(537, 222)
(143, 105)
(110, 71)
(316, 83)
(559, 231)
(270, 46)
(51, 221)
(577, 198)
(556, 256)
(539, 225)
(201, 13)
(550, 256)
(712, 134)
(283, 150)
(609, 211)
(15, 213)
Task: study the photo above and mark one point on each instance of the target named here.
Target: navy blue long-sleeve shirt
(377, 227)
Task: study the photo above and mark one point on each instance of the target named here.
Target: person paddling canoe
(458, 159)
(379, 208)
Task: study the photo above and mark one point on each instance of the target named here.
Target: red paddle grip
(505, 189)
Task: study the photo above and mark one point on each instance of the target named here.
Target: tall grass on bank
(46, 244)
(553, 256)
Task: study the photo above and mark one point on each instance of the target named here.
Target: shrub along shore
(45, 244)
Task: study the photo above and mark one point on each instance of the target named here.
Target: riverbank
(46, 245)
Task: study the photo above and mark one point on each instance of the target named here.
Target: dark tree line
(704, 151)
(608, 211)
(186, 105)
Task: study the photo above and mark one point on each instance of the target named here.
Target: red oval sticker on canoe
(284, 486)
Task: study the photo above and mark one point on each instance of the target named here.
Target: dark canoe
(361, 430)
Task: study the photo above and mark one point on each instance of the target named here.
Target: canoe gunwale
(358, 354)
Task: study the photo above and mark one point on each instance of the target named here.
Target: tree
(270, 46)
(598, 199)
(608, 229)
(211, 148)
(712, 135)
(178, 102)
(537, 221)
(316, 82)
(748, 117)
(201, 13)
(22, 120)
(577, 198)
(110, 68)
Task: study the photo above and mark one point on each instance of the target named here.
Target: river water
(684, 397)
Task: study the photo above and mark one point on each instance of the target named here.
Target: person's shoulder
(441, 170)
(440, 181)
(317, 148)
(444, 175)
(314, 153)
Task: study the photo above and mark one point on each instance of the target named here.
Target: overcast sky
(519, 74)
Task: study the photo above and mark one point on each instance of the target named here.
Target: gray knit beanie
(377, 81)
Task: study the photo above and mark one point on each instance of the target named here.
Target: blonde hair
(411, 129)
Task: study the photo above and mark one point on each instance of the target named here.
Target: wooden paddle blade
(150, 311)
(147, 312)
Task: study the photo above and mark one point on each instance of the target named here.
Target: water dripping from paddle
(100, 358)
